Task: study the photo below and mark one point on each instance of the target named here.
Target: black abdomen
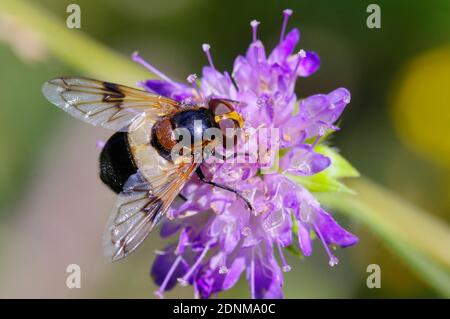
(116, 162)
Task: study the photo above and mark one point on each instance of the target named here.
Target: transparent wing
(105, 104)
(140, 206)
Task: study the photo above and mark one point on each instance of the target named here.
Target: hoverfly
(136, 161)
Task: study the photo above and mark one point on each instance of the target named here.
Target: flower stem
(420, 239)
(74, 48)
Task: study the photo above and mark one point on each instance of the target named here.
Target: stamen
(301, 55)
(286, 13)
(192, 79)
(160, 292)
(300, 237)
(137, 58)
(206, 48)
(286, 267)
(254, 24)
(223, 269)
(246, 231)
(333, 259)
(252, 276)
(184, 280)
(256, 54)
(320, 134)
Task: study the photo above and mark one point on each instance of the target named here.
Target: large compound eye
(228, 125)
(220, 107)
(224, 114)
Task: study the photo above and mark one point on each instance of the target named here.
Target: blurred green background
(396, 132)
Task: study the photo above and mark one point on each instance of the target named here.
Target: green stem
(421, 240)
(74, 48)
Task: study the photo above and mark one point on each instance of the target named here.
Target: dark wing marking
(105, 104)
(140, 206)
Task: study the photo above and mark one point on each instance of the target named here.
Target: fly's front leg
(202, 177)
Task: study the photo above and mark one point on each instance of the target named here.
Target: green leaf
(417, 237)
(293, 249)
(321, 182)
(339, 167)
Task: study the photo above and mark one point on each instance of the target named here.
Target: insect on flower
(149, 159)
(239, 218)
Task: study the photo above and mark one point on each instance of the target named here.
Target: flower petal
(283, 50)
(162, 265)
(183, 241)
(332, 232)
(292, 132)
(234, 273)
(208, 279)
(266, 276)
(214, 83)
(256, 53)
(169, 228)
(309, 64)
(304, 239)
(244, 74)
(322, 110)
(174, 90)
(302, 160)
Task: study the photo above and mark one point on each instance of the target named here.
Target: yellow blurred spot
(421, 105)
(287, 137)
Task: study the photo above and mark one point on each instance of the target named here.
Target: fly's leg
(202, 177)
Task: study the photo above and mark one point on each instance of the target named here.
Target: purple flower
(216, 237)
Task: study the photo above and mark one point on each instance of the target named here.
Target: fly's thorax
(192, 130)
(192, 125)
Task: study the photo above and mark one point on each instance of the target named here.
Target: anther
(137, 58)
(206, 48)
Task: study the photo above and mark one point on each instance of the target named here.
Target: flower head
(216, 237)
